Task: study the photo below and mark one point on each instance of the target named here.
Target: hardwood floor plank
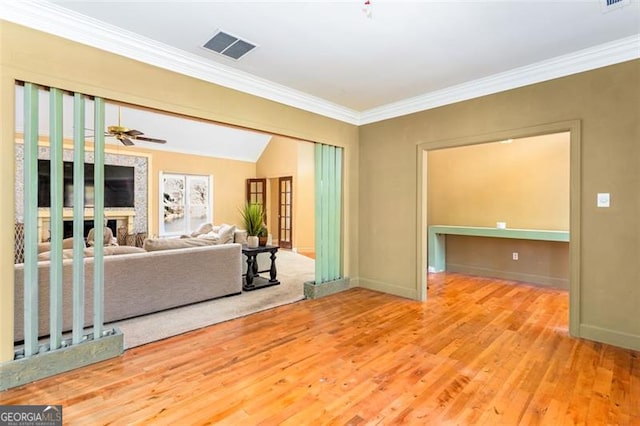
(479, 351)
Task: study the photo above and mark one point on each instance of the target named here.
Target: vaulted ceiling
(182, 134)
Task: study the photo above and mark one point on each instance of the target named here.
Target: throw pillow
(108, 240)
(19, 243)
(240, 236)
(43, 247)
(140, 237)
(226, 233)
(67, 243)
(209, 236)
(202, 229)
(122, 235)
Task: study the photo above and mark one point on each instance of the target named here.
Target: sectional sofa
(139, 282)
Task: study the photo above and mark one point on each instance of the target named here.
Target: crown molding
(602, 55)
(45, 16)
(53, 19)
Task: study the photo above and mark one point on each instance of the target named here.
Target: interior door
(285, 203)
(257, 192)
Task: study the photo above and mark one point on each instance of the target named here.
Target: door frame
(573, 127)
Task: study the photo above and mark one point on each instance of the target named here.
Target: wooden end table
(252, 280)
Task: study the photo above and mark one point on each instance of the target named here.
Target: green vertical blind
(78, 218)
(98, 221)
(57, 201)
(328, 199)
(31, 238)
(30, 219)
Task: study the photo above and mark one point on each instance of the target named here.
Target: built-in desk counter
(437, 241)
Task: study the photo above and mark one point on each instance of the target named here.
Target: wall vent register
(229, 45)
(608, 5)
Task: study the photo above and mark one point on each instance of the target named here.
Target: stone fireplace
(134, 219)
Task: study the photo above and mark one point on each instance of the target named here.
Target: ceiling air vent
(228, 45)
(608, 5)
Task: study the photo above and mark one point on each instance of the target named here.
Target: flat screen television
(118, 185)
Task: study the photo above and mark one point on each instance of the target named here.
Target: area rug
(293, 270)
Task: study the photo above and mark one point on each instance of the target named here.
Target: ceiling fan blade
(107, 135)
(126, 141)
(133, 132)
(146, 139)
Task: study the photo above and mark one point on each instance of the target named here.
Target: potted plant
(263, 236)
(253, 216)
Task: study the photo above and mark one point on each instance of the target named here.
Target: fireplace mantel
(124, 217)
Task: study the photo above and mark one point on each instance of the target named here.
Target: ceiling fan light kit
(116, 129)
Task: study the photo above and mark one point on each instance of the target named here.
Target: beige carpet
(293, 270)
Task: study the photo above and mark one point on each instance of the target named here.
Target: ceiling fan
(127, 136)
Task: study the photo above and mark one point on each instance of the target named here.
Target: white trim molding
(50, 18)
(53, 19)
(618, 51)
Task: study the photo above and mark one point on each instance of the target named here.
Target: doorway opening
(425, 198)
(275, 195)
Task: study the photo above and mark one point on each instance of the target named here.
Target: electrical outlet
(514, 255)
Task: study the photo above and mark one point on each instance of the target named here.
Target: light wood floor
(479, 351)
(310, 254)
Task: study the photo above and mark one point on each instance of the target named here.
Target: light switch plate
(604, 199)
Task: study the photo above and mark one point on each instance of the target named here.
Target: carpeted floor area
(293, 270)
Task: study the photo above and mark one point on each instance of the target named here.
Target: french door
(285, 211)
(257, 193)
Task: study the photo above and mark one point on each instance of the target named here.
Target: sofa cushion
(46, 255)
(156, 244)
(116, 250)
(67, 243)
(88, 252)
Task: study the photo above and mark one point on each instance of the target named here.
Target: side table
(252, 280)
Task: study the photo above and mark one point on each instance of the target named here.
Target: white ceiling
(182, 134)
(329, 57)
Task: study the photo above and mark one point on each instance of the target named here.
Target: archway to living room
(471, 244)
(141, 215)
